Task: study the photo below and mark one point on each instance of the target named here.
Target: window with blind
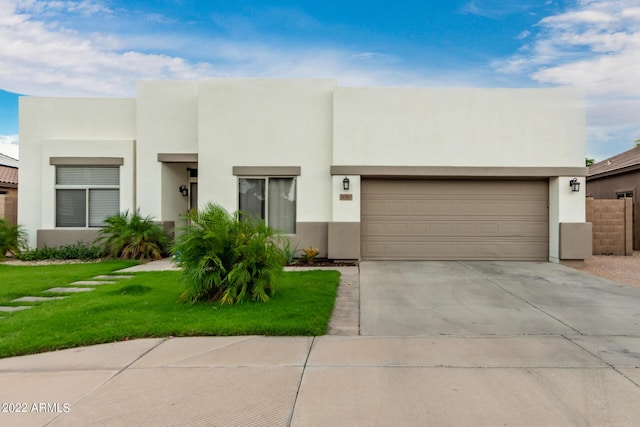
(86, 195)
(272, 199)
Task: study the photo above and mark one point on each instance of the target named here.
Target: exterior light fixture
(184, 190)
(345, 183)
(575, 185)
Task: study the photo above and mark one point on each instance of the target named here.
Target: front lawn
(147, 306)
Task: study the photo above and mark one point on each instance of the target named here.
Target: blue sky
(102, 47)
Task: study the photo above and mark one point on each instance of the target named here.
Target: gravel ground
(622, 269)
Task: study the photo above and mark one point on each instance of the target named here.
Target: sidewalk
(322, 381)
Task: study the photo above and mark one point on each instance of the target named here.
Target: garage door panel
(373, 207)
(468, 229)
(459, 251)
(397, 207)
(537, 229)
(419, 219)
(444, 207)
(374, 250)
(441, 229)
(418, 207)
(421, 228)
(485, 229)
(397, 229)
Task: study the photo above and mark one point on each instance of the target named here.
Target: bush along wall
(226, 259)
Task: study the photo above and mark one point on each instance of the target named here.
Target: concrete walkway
(327, 381)
(468, 376)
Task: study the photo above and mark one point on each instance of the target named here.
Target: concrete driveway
(492, 298)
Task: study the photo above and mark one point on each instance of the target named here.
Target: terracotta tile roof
(8, 175)
(620, 163)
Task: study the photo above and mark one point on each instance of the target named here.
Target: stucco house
(618, 177)
(8, 188)
(360, 173)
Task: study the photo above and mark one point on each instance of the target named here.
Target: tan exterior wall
(310, 234)
(576, 240)
(344, 240)
(612, 225)
(9, 206)
(63, 237)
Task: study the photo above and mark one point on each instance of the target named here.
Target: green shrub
(13, 238)
(131, 236)
(225, 259)
(78, 250)
(288, 251)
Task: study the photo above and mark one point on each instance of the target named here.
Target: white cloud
(48, 59)
(40, 56)
(9, 145)
(495, 9)
(595, 46)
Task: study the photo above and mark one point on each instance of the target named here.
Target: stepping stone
(69, 290)
(36, 299)
(106, 277)
(9, 309)
(93, 282)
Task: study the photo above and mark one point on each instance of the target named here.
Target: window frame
(624, 194)
(266, 179)
(87, 190)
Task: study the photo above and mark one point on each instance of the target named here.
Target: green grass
(147, 306)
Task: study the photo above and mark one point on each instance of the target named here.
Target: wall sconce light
(575, 185)
(184, 190)
(345, 183)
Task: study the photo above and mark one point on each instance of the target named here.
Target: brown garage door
(454, 220)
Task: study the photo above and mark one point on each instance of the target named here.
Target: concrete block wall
(612, 225)
(9, 208)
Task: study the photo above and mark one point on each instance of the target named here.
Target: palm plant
(131, 236)
(13, 238)
(226, 259)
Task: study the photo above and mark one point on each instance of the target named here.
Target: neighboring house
(432, 173)
(8, 188)
(618, 177)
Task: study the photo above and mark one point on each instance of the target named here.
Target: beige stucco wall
(458, 127)
(79, 127)
(247, 122)
(167, 122)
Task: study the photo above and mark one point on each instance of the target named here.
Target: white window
(86, 195)
(624, 195)
(272, 199)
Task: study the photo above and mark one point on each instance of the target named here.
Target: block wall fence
(612, 225)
